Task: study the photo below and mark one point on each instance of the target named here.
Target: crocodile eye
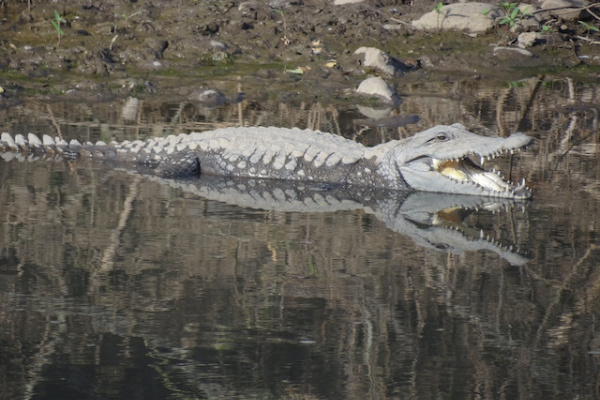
(440, 137)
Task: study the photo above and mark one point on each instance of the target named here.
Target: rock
(216, 44)
(392, 27)
(210, 98)
(503, 52)
(526, 20)
(528, 9)
(219, 57)
(88, 86)
(375, 86)
(571, 13)
(382, 61)
(527, 39)
(130, 109)
(526, 25)
(374, 113)
(471, 17)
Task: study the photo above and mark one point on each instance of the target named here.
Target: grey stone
(471, 17)
(571, 13)
(130, 109)
(374, 113)
(504, 52)
(380, 60)
(527, 39)
(375, 86)
(526, 25)
(211, 98)
(218, 45)
(392, 27)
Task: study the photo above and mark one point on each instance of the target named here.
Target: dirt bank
(174, 48)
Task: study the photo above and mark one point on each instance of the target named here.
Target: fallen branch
(587, 39)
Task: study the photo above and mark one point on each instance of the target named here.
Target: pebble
(527, 39)
(376, 86)
(380, 60)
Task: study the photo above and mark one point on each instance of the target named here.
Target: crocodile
(439, 159)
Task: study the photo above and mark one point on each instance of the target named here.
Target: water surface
(117, 286)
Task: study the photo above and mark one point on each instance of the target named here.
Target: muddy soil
(280, 48)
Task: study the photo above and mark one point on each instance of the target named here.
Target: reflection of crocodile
(436, 160)
(431, 220)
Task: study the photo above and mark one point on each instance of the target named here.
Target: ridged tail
(146, 157)
(32, 148)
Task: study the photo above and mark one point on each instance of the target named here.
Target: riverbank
(98, 50)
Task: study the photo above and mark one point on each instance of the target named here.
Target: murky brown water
(117, 286)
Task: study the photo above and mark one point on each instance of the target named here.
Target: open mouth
(465, 171)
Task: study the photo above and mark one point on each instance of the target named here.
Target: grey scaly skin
(435, 160)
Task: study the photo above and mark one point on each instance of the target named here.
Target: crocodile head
(449, 159)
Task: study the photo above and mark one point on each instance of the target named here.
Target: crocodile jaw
(460, 176)
(465, 171)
